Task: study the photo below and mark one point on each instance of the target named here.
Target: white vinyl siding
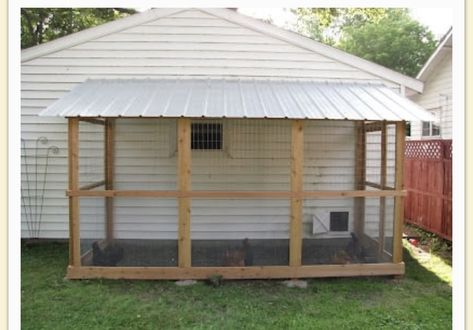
(437, 96)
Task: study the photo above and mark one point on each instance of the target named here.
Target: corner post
(360, 177)
(382, 200)
(399, 185)
(74, 213)
(297, 165)
(184, 182)
(109, 174)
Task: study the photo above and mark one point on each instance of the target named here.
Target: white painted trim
(307, 43)
(436, 57)
(95, 32)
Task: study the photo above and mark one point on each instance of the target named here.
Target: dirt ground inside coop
(228, 253)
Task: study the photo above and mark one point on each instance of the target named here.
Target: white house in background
(436, 75)
(228, 50)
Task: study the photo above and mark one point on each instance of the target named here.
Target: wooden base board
(263, 272)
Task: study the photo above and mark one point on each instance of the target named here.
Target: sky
(437, 19)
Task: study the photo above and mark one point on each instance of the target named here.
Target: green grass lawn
(421, 300)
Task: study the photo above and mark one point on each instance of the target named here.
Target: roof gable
(138, 22)
(444, 47)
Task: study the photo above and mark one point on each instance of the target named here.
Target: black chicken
(248, 253)
(354, 249)
(108, 256)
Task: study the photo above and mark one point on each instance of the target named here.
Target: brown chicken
(238, 257)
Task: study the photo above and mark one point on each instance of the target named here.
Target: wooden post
(109, 174)
(399, 185)
(382, 200)
(184, 181)
(360, 178)
(297, 165)
(74, 212)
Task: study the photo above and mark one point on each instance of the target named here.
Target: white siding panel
(166, 62)
(188, 30)
(176, 21)
(187, 54)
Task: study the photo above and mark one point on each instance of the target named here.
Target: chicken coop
(187, 179)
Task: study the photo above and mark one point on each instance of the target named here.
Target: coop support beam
(92, 185)
(261, 272)
(184, 181)
(94, 121)
(382, 200)
(360, 177)
(389, 192)
(377, 186)
(297, 164)
(74, 225)
(399, 185)
(109, 166)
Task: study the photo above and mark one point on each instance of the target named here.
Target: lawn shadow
(415, 270)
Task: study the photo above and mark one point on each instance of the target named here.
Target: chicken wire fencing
(240, 155)
(235, 155)
(331, 236)
(144, 232)
(91, 153)
(240, 232)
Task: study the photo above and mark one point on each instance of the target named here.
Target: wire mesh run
(239, 155)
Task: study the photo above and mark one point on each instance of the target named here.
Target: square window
(206, 136)
(338, 221)
(426, 128)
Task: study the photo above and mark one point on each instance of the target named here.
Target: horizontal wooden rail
(430, 194)
(92, 185)
(377, 126)
(378, 186)
(237, 194)
(92, 121)
(259, 272)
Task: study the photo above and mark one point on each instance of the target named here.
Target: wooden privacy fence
(428, 181)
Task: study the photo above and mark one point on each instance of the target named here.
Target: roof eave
(435, 57)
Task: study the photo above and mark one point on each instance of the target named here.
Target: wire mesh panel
(390, 155)
(144, 232)
(240, 154)
(240, 232)
(331, 236)
(379, 225)
(92, 226)
(329, 155)
(373, 157)
(91, 153)
(146, 228)
(327, 224)
(145, 154)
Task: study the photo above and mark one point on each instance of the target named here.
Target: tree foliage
(326, 24)
(39, 25)
(390, 37)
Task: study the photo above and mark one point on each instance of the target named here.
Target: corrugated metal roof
(216, 98)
